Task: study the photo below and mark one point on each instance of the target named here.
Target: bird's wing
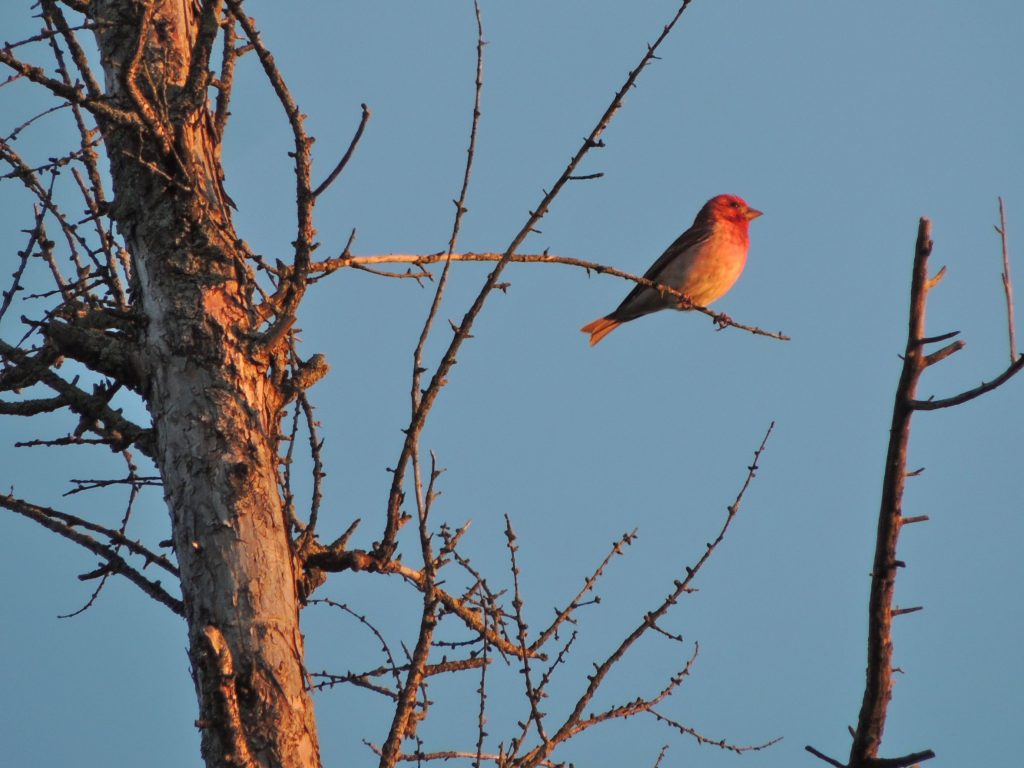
(642, 299)
(687, 241)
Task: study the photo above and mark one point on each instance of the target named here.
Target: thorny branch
(1007, 283)
(618, 548)
(64, 525)
(404, 722)
(388, 543)
(878, 689)
(98, 106)
(576, 721)
(335, 559)
(135, 483)
(419, 260)
(396, 494)
(333, 175)
(295, 284)
(97, 267)
(405, 719)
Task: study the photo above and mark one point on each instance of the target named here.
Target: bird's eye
(734, 204)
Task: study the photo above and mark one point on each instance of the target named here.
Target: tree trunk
(215, 405)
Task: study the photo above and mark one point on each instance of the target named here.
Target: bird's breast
(713, 267)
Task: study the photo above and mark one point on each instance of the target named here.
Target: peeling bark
(215, 409)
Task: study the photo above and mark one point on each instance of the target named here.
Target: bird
(703, 263)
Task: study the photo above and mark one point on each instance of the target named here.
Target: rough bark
(214, 403)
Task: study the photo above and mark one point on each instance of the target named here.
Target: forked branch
(388, 541)
(867, 736)
(577, 720)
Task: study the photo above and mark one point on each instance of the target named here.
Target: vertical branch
(481, 717)
(532, 692)
(226, 80)
(305, 200)
(396, 494)
(315, 447)
(463, 329)
(878, 690)
(1007, 282)
(403, 724)
(36, 234)
(53, 15)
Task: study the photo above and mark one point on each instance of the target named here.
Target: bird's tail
(600, 328)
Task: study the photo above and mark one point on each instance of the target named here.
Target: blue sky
(844, 124)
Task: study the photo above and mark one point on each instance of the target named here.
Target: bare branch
(388, 540)
(404, 721)
(396, 494)
(97, 415)
(316, 445)
(23, 257)
(97, 106)
(335, 559)
(499, 759)
(1016, 361)
(822, 756)
(720, 743)
(304, 197)
(143, 108)
(532, 692)
(723, 320)
(571, 725)
(618, 548)
(55, 15)
(391, 667)
(51, 519)
(867, 737)
(333, 175)
(362, 679)
(226, 80)
(963, 397)
(1007, 283)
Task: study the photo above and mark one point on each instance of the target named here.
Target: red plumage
(704, 262)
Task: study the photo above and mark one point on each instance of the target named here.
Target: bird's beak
(753, 213)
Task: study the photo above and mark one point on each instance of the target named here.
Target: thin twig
(618, 548)
(348, 153)
(226, 81)
(963, 397)
(114, 562)
(305, 200)
(532, 692)
(54, 14)
(572, 723)
(99, 106)
(347, 261)
(403, 723)
(1007, 282)
(316, 445)
(440, 377)
(418, 408)
(23, 257)
(720, 743)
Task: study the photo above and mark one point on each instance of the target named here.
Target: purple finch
(702, 263)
